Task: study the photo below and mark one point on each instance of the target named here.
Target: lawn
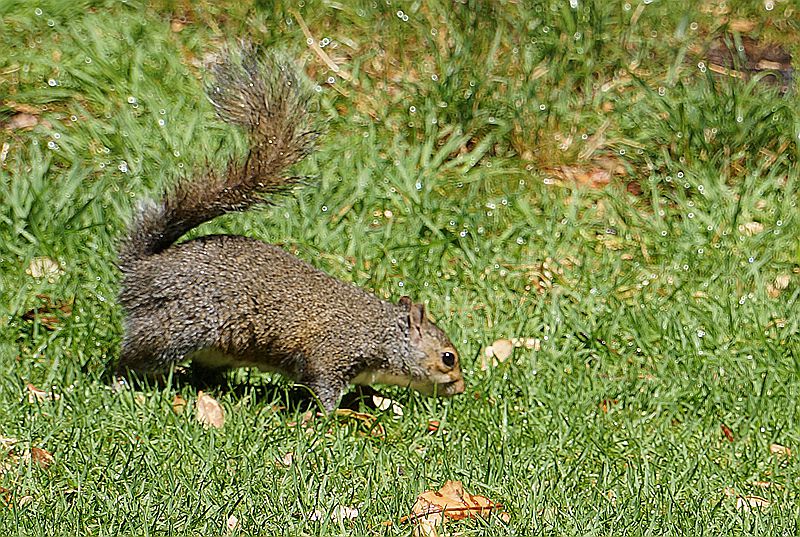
(590, 175)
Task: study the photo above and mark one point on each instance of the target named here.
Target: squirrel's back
(224, 300)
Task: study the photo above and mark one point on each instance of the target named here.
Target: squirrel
(223, 301)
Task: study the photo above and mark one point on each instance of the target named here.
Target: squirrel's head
(434, 366)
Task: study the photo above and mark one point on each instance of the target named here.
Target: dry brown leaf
(742, 25)
(772, 291)
(177, 25)
(208, 411)
(41, 457)
(342, 512)
(287, 460)
(748, 503)
(453, 502)
(782, 281)
(426, 527)
(369, 421)
(532, 343)
(22, 120)
(305, 419)
(42, 267)
(49, 314)
(178, 404)
(37, 395)
(763, 484)
(751, 228)
(384, 403)
(591, 177)
(777, 449)
(727, 432)
(606, 404)
(502, 349)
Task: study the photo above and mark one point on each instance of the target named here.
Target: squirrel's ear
(416, 316)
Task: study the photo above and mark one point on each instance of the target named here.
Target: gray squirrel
(225, 301)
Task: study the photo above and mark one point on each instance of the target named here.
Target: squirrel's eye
(448, 359)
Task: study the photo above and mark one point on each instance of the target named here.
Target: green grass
(656, 303)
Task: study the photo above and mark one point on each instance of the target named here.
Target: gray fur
(227, 301)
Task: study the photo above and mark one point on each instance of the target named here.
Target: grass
(657, 312)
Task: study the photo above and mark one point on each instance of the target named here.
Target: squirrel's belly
(216, 359)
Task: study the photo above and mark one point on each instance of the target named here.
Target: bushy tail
(263, 94)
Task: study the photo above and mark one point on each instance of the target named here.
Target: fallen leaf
(177, 25)
(533, 343)
(342, 512)
(22, 120)
(750, 57)
(748, 503)
(452, 502)
(25, 500)
(782, 281)
(426, 527)
(591, 177)
(369, 421)
(751, 228)
(384, 403)
(606, 404)
(305, 418)
(433, 425)
(742, 25)
(777, 449)
(49, 314)
(287, 460)
(37, 395)
(178, 404)
(41, 267)
(727, 432)
(502, 349)
(41, 457)
(208, 411)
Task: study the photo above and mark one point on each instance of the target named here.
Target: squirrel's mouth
(448, 389)
(454, 388)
